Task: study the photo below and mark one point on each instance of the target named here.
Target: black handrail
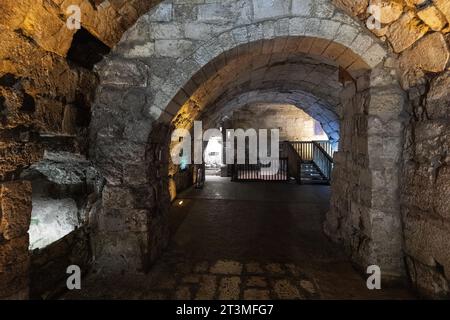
(322, 160)
(315, 152)
(294, 161)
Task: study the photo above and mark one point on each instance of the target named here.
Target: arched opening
(327, 71)
(213, 59)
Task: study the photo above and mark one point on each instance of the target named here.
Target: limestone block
(166, 31)
(264, 9)
(15, 155)
(162, 13)
(432, 17)
(431, 140)
(302, 8)
(354, 7)
(172, 48)
(439, 96)
(126, 220)
(390, 10)
(13, 252)
(132, 247)
(15, 208)
(124, 73)
(215, 12)
(429, 281)
(140, 51)
(405, 31)
(39, 23)
(414, 3)
(444, 7)
(52, 219)
(14, 13)
(14, 280)
(386, 103)
(426, 240)
(441, 193)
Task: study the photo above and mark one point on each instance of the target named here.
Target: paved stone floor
(245, 241)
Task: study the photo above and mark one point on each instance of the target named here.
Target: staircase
(310, 162)
(311, 174)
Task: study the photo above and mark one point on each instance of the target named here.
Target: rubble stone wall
(418, 32)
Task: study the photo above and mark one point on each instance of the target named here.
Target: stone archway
(168, 63)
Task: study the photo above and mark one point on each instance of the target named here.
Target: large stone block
(386, 103)
(405, 31)
(123, 220)
(302, 8)
(419, 56)
(124, 73)
(264, 9)
(13, 252)
(162, 13)
(444, 7)
(116, 252)
(354, 7)
(15, 209)
(432, 17)
(14, 281)
(172, 48)
(426, 240)
(438, 97)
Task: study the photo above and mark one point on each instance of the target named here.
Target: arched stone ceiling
(316, 108)
(177, 65)
(256, 70)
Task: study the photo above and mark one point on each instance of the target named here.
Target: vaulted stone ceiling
(283, 71)
(44, 94)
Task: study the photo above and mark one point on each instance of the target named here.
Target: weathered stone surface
(286, 290)
(207, 290)
(355, 8)
(432, 17)
(444, 7)
(255, 281)
(264, 9)
(227, 267)
(425, 240)
(14, 281)
(183, 293)
(56, 87)
(15, 209)
(125, 73)
(229, 288)
(417, 57)
(389, 10)
(405, 31)
(439, 96)
(13, 252)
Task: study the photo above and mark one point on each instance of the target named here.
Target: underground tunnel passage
(88, 176)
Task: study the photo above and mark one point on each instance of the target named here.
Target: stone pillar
(365, 204)
(15, 215)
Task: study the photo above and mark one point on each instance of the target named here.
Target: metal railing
(317, 152)
(322, 160)
(277, 170)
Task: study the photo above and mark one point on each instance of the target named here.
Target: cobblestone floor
(245, 241)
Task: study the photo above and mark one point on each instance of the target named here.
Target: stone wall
(48, 266)
(44, 102)
(365, 210)
(163, 75)
(418, 31)
(293, 123)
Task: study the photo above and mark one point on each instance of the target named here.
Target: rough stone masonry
(177, 61)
